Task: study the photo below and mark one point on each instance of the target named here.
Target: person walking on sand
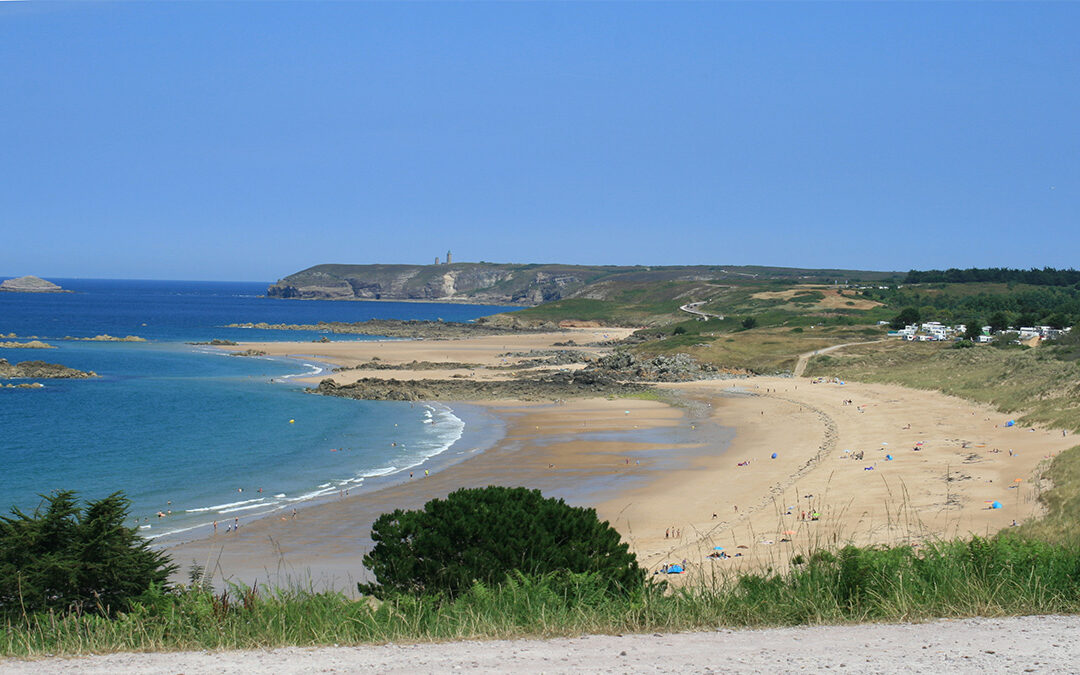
(215, 527)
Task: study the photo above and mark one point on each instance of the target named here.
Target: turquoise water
(189, 432)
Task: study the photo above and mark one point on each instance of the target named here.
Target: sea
(190, 434)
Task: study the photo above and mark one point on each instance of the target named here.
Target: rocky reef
(107, 338)
(544, 388)
(30, 284)
(33, 344)
(40, 370)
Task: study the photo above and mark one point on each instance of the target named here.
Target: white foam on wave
(315, 369)
(379, 472)
(247, 508)
(221, 507)
(312, 495)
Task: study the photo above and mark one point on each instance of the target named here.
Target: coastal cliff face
(30, 284)
(484, 283)
(513, 284)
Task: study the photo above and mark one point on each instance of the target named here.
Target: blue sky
(247, 141)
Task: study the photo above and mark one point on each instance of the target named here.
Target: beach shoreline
(893, 466)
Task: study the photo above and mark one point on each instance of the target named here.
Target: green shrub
(65, 559)
(484, 534)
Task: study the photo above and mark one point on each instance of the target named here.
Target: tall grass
(986, 577)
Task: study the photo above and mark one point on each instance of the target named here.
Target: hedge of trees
(1047, 276)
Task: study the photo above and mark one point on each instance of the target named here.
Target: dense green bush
(484, 534)
(66, 559)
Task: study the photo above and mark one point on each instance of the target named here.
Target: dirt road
(1043, 644)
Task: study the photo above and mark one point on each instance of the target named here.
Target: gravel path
(1037, 644)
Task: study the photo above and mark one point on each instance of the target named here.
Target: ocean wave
(247, 508)
(386, 470)
(316, 369)
(220, 507)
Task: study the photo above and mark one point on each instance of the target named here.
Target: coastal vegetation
(70, 560)
(482, 535)
(986, 577)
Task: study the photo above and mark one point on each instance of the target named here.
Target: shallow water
(191, 433)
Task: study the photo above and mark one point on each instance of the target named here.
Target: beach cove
(892, 466)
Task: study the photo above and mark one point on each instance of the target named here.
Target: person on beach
(215, 527)
(236, 523)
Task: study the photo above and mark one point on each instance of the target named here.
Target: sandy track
(1043, 644)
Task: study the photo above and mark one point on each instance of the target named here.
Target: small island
(40, 370)
(30, 284)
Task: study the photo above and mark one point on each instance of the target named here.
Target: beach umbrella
(774, 455)
(718, 548)
(888, 458)
(997, 505)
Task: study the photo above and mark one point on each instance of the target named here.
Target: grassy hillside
(1035, 382)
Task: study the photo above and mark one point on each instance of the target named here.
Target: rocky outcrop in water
(30, 284)
(40, 370)
(33, 344)
(107, 338)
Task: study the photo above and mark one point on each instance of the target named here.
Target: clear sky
(247, 141)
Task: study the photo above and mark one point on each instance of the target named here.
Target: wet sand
(585, 451)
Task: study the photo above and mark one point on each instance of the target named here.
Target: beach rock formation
(40, 370)
(675, 368)
(30, 284)
(544, 388)
(33, 344)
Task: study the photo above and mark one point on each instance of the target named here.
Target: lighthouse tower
(448, 258)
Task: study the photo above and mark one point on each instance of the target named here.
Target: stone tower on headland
(448, 258)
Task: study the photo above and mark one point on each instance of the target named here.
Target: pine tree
(65, 559)
(484, 534)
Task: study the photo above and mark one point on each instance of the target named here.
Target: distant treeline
(1047, 276)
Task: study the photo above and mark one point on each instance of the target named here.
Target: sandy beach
(892, 466)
